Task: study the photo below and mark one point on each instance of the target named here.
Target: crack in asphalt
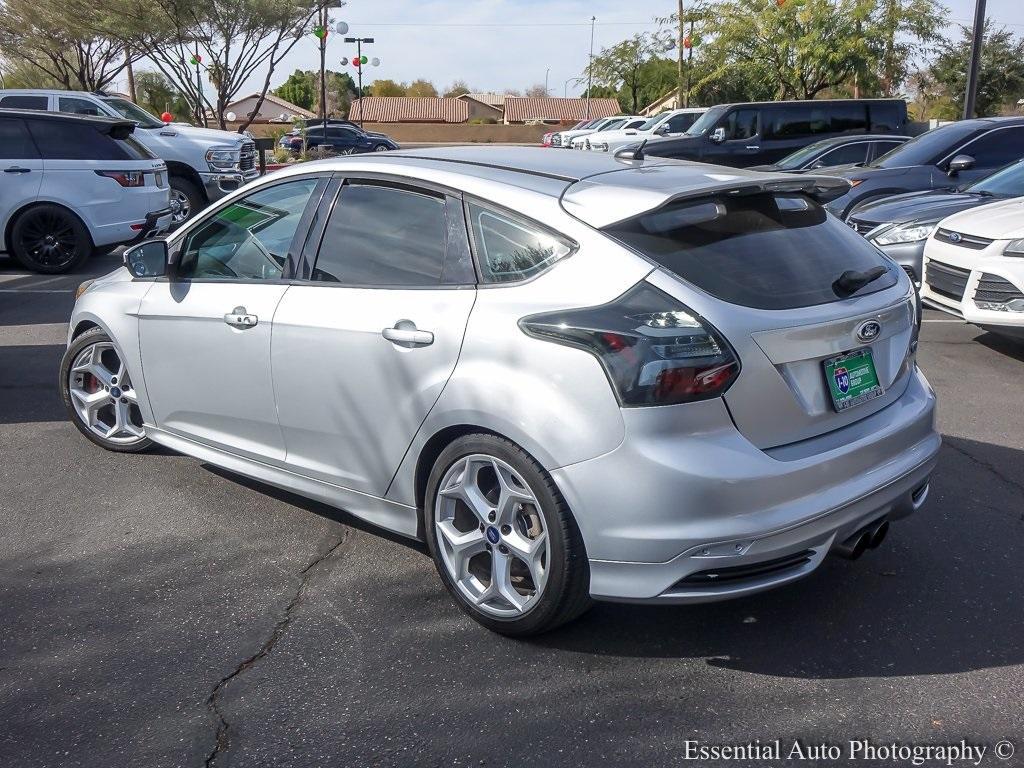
(1015, 484)
(222, 739)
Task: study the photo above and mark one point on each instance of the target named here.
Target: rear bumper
(156, 223)
(685, 493)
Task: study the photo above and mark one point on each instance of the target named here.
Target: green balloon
(363, 59)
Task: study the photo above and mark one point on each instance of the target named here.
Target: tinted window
(509, 248)
(997, 148)
(77, 106)
(634, 124)
(706, 121)
(680, 123)
(15, 141)
(134, 112)
(73, 140)
(851, 153)
(881, 147)
(383, 236)
(795, 120)
(848, 117)
(929, 147)
(250, 238)
(1009, 182)
(339, 132)
(741, 124)
(24, 102)
(887, 117)
(758, 250)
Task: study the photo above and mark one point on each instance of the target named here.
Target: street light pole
(323, 67)
(359, 70)
(546, 73)
(972, 74)
(590, 65)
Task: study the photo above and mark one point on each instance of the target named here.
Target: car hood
(917, 206)
(209, 136)
(629, 133)
(1002, 220)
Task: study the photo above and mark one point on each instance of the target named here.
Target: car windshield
(802, 155)
(706, 121)
(653, 122)
(612, 125)
(928, 148)
(134, 112)
(1007, 182)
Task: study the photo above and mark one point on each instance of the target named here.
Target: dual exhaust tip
(868, 537)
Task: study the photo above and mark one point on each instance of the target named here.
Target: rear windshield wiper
(852, 281)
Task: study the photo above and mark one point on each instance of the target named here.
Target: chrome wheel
(103, 396)
(181, 206)
(491, 536)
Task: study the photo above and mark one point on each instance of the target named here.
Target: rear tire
(99, 395)
(49, 239)
(503, 539)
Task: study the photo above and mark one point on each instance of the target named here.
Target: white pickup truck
(203, 164)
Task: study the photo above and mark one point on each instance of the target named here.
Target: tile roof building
(520, 109)
(409, 109)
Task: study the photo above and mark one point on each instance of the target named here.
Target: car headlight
(906, 233)
(223, 158)
(1014, 248)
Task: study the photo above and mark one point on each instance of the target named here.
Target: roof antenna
(638, 153)
(626, 153)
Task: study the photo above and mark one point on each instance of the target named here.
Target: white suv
(71, 185)
(674, 123)
(204, 164)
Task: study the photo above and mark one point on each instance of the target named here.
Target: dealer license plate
(852, 379)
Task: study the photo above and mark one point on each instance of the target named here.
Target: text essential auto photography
(511, 383)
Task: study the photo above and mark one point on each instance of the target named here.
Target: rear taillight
(655, 350)
(125, 178)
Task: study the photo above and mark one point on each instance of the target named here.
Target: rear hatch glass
(762, 250)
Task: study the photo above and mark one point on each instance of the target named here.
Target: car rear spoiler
(611, 198)
(120, 129)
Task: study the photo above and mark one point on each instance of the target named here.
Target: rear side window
(77, 106)
(758, 250)
(24, 102)
(509, 248)
(59, 140)
(795, 120)
(851, 153)
(887, 117)
(679, 123)
(997, 148)
(849, 117)
(15, 141)
(380, 236)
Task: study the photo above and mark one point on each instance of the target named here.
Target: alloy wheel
(48, 238)
(491, 536)
(103, 396)
(181, 207)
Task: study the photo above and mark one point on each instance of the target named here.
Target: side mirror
(717, 135)
(148, 259)
(662, 129)
(960, 163)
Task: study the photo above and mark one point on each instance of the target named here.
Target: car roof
(595, 187)
(67, 117)
(51, 92)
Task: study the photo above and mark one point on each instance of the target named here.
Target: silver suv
(574, 376)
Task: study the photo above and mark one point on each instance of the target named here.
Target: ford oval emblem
(869, 330)
(954, 237)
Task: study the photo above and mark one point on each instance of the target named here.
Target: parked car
(204, 164)
(839, 150)
(944, 158)
(674, 123)
(563, 139)
(480, 347)
(900, 225)
(742, 135)
(974, 267)
(621, 123)
(341, 139)
(72, 185)
(285, 142)
(545, 140)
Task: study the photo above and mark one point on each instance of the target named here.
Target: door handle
(239, 318)
(16, 169)
(750, 147)
(405, 334)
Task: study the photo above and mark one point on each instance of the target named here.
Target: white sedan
(667, 124)
(974, 267)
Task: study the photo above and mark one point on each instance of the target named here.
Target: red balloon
(687, 42)
(355, 63)
(167, 117)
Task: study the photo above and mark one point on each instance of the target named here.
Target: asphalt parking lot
(159, 612)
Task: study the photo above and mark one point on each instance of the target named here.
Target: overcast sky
(499, 44)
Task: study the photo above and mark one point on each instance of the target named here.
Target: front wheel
(381, 148)
(99, 395)
(186, 201)
(49, 239)
(503, 539)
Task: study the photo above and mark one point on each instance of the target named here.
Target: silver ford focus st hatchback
(576, 377)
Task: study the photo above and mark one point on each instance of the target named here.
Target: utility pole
(200, 106)
(972, 74)
(546, 73)
(323, 67)
(359, 69)
(680, 94)
(590, 65)
(689, 68)
(130, 72)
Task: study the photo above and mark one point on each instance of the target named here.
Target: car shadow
(1005, 346)
(942, 595)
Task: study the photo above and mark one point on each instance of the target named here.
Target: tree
(19, 73)
(156, 94)
(538, 91)
(458, 88)
(421, 88)
(898, 33)
(622, 67)
(1000, 79)
(236, 40)
(61, 40)
(388, 88)
(300, 89)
